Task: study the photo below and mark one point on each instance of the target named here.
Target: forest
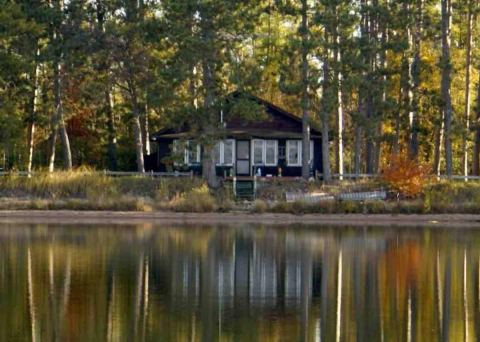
(84, 82)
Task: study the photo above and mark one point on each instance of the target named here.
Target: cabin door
(243, 158)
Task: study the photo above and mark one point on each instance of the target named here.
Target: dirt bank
(116, 217)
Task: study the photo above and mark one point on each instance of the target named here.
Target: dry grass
(197, 200)
(88, 190)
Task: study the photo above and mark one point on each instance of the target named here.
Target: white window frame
(275, 159)
(187, 154)
(252, 152)
(300, 152)
(222, 152)
(175, 147)
(264, 152)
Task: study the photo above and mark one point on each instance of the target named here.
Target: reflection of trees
(234, 283)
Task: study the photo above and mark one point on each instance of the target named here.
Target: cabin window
(217, 153)
(265, 152)
(271, 152)
(258, 146)
(228, 152)
(191, 152)
(224, 152)
(294, 152)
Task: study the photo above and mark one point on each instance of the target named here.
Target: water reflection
(147, 283)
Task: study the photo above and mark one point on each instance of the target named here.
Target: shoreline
(167, 217)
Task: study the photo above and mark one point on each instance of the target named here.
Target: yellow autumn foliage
(406, 176)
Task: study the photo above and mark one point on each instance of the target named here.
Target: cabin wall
(164, 146)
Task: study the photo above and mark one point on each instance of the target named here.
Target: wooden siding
(226, 171)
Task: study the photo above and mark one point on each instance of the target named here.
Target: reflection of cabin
(270, 146)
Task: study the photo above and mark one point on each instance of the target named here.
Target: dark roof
(279, 124)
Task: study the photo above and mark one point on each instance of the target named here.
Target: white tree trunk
(33, 114)
(468, 70)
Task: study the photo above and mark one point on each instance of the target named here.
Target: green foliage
(174, 63)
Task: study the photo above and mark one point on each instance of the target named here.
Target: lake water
(238, 283)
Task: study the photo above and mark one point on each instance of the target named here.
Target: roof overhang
(241, 134)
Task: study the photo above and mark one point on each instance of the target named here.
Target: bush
(408, 207)
(406, 176)
(170, 188)
(350, 207)
(260, 206)
(197, 200)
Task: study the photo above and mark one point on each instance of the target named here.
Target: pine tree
(446, 83)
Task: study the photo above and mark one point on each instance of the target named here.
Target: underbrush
(123, 203)
(89, 190)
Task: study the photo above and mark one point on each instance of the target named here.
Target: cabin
(268, 147)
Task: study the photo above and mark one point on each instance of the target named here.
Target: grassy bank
(87, 190)
(446, 197)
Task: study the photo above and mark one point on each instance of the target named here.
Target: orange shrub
(406, 176)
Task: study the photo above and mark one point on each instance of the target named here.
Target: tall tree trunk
(208, 78)
(339, 103)
(357, 155)
(368, 33)
(407, 79)
(437, 149)
(305, 101)
(476, 147)
(112, 136)
(398, 113)
(32, 113)
(52, 147)
(362, 94)
(415, 76)
(446, 83)
(370, 137)
(67, 153)
(146, 133)
(137, 128)
(56, 114)
(468, 69)
(109, 97)
(379, 128)
(58, 117)
(325, 114)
